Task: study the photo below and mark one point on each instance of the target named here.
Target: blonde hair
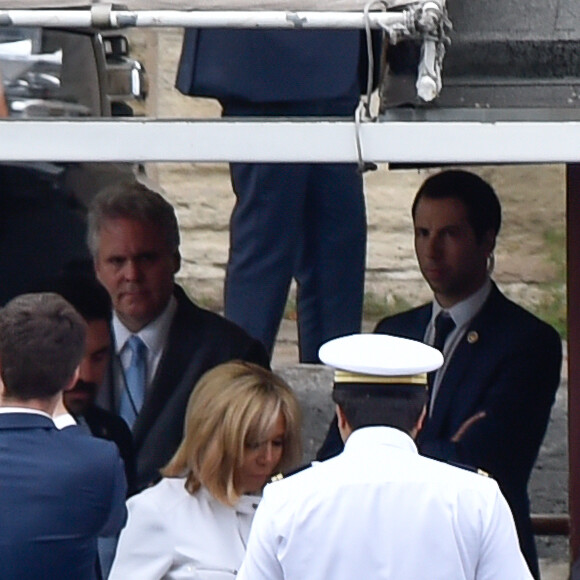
(231, 406)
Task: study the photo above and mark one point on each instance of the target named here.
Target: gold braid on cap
(347, 377)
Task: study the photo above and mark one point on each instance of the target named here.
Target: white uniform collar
(365, 437)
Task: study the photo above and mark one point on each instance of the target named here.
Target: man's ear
(176, 261)
(343, 425)
(422, 417)
(73, 381)
(488, 241)
(97, 269)
(342, 422)
(420, 422)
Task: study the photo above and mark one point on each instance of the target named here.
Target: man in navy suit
(490, 402)
(134, 239)
(305, 220)
(60, 489)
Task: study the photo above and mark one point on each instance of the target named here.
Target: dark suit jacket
(272, 66)
(107, 425)
(59, 490)
(198, 341)
(510, 368)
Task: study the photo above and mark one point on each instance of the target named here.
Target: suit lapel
(183, 340)
(411, 324)
(418, 328)
(463, 361)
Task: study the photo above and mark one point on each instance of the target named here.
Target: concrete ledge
(313, 387)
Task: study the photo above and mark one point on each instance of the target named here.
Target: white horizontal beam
(209, 19)
(189, 5)
(323, 140)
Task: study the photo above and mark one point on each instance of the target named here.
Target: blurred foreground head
(42, 340)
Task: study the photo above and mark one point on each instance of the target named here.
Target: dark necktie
(444, 325)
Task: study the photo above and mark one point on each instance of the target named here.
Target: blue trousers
(305, 221)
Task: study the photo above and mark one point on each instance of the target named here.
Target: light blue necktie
(135, 381)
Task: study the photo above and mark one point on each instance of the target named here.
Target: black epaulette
(280, 476)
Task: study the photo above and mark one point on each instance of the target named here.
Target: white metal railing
(425, 20)
(211, 19)
(201, 5)
(283, 140)
(292, 141)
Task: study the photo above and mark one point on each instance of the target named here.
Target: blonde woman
(242, 425)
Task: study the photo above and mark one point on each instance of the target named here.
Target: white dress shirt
(380, 511)
(61, 421)
(29, 410)
(174, 535)
(462, 314)
(154, 336)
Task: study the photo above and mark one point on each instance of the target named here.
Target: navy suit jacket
(508, 365)
(109, 426)
(198, 341)
(272, 66)
(59, 491)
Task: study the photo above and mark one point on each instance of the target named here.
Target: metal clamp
(101, 15)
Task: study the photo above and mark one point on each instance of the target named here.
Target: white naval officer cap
(378, 360)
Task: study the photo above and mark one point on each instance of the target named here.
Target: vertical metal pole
(573, 250)
(152, 67)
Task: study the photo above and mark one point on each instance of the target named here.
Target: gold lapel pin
(472, 337)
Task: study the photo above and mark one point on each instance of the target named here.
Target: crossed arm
(506, 431)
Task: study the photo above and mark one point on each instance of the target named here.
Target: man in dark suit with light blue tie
(490, 402)
(305, 220)
(162, 342)
(60, 489)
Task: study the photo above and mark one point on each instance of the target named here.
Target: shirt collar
(365, 437)
(246, 504)
(6, 409)
(464, 311)
(64, 420)
(153, 335)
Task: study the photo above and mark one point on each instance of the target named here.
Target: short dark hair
(478, 197)
(135, 201)
(42, 341)
(392, 406)
(84, 292)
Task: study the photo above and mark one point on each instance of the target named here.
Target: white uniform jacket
(174, 535)
(381, 511)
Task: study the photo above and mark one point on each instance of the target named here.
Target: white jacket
(174, 535)
(380, 511)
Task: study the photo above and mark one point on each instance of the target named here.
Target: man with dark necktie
(490, 402)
